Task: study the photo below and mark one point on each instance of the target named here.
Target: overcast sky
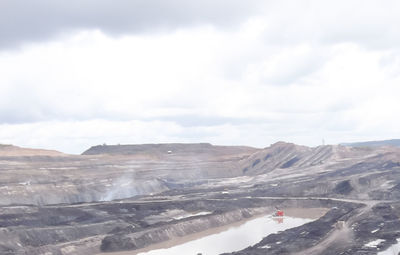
(79, 73)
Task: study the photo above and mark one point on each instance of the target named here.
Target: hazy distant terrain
(393, 142)
(127, 197)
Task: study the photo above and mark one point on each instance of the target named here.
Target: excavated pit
(134, 197)
(128, 224)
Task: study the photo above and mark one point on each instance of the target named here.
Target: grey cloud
(371, 23)
(22, 21)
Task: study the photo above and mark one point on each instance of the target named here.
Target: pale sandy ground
(308, 213)
(15, 151)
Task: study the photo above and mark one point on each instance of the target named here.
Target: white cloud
(297, 73)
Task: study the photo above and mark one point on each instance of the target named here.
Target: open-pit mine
(191, 199)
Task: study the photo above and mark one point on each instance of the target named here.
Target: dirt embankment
(309, 213)
(125, 225)
(131, 239)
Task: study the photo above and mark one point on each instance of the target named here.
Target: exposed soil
(132, 197)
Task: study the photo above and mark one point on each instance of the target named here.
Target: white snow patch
(170, 215)
(392, 250)
(375, 243)
(387, 184)
(191, 215)
(25, 183)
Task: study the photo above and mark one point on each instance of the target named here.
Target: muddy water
(232, 237)
(239, 237)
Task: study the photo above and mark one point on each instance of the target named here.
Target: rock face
(285, 155)
(105, 173)
(123, 197)
(330, 170)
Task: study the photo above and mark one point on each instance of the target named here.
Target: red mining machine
(278, 212)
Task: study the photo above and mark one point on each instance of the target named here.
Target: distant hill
(393, 142)
(168, 148)
(8, 150)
